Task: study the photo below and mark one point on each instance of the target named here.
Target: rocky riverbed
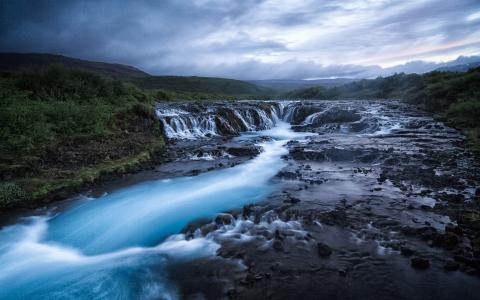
(311, 200)
(368, 206)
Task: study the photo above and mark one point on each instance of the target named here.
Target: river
(334, 172)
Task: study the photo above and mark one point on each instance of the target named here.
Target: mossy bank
(64, 129)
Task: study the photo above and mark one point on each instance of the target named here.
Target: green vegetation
(63, 128)
(453, 97)
(201, 85)
(11, 195)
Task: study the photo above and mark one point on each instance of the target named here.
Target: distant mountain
(40, 61)
(207, 85)
(292, 84)
(459, 68)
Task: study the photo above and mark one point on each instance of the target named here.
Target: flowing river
(361, 177)
(105, 247)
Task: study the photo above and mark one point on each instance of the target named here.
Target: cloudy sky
(248, 39)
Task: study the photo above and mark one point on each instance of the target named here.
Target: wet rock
(420, 263)
(426, 233)
(357, 127)
(336, 115)
(287, 175)
(243, 151)
(385, 223)
(323, 250)
(278, 235)
(448, 240)
(277, 245)
(232, 293)
(451, 265)
(293, 200)
(301, 112)
(468, 260)
(247, 210)
(425, 207)
(406, 251)
(334, 217)
(224, 219)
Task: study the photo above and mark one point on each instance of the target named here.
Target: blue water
(116, 246)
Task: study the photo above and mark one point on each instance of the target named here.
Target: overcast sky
(248, 39)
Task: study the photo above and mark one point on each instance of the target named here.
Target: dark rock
(425, 207)
(277, 245)
(224, 219)
(243, 151)
(451, 265)
(336, 115)
(293, 199)
(454, 229)
(335, 217)
(324, 250)
(287, 175)
(448, 240)
(406, 251)
(278, 235)
(247, 210)
(302, 112)
(420, 263)
(232, 293)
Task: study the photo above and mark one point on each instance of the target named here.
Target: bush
(12, 195)
(465, 113)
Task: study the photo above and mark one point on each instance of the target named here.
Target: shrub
(465, 113)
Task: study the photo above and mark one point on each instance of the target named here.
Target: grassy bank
(62, 129)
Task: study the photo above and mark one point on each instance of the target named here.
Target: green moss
(12, 195)
(41, 187)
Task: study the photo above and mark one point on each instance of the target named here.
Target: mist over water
(115, 247)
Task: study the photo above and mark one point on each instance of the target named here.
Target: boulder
(336, 115)
(420, 263)
(323, 250)
(224, 219)
(451, 265)
(406, 251)
(243, 151)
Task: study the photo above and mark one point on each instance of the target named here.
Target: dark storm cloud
(249, 38)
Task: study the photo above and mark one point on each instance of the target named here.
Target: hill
(284, 85)
(40, 62)
(194, 84)
(160, 87)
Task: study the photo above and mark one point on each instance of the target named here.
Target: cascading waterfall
(232, 119)
(182, 124)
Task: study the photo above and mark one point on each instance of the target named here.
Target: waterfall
(309, 120)
(190, 121)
